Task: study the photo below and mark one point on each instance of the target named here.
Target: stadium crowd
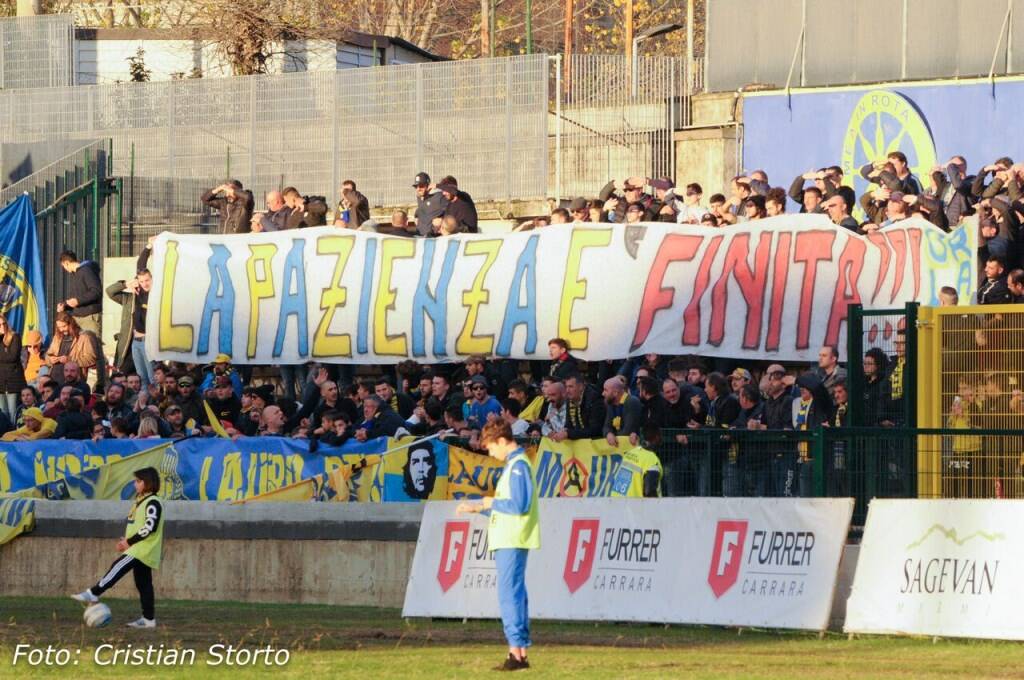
(66, 390)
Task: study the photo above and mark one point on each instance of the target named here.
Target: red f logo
(726, 555)
(453, 551)
(579, 560)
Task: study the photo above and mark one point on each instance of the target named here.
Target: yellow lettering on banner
(575, 288)
(5, 473)
(204, 477)
(232, 480)
(468, 343)
(294, 471)
(255, 460)
(273, 472)
(391, 249)
(324, 343)
(260, 288)
(173, 337)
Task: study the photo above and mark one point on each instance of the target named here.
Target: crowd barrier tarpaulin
(780, 286)
(205, 468)
(22, 294)
(940, 567)
(736, 561)
(17, 516)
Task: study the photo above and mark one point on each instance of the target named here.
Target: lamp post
(653, 32)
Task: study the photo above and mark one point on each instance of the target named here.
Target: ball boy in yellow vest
(140, 548)
(512, 532)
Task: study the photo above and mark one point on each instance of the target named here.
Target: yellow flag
(17, 515)
(301, 491)
(215, 421)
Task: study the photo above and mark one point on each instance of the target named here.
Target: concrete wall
(327, 553)
(708, 156)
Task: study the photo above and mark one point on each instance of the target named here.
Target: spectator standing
(357, 205)
(12, 373)
(482, 405)
(275, 217)
(994, 290)
(839, 212)
(69, 344)
(234, 206)
(828, 370)
(430, 204)
(624, 413)
(562, 364)
(618, 195)
(689, 210)
(35, 362)
(308, 211)
(133, 296)
(460, 206)
(85, 301)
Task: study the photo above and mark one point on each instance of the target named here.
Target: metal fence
(615, 119)
(36, 52)
(831, 42)
(483, 121)
(72, 199)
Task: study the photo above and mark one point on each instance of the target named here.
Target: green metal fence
(882, 366)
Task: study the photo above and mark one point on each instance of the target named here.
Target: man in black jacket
(133, 296)
(460, 206)
(994, 291)
(585, 413)
(379, 420)
(234, 206)
(304, 211)
(85, 299)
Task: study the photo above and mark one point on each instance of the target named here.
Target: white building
(101, 56)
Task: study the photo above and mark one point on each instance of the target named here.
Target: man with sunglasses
(619, 195)
(430, 204)
(482, 403)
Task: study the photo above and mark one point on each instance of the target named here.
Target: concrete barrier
(327, 553)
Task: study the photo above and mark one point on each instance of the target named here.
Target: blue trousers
(512, 600)
(143, 366)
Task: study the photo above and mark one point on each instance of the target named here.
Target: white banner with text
(734, 561)
(772, 289)
(940, 567)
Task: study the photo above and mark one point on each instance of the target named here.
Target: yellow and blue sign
(22, 295)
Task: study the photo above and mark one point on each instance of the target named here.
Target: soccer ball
(97, 615)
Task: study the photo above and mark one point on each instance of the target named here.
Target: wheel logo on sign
(883, 122)
(579, 558)
(453, 552)
(730, 536)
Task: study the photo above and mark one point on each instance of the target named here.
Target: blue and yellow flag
(22, 296)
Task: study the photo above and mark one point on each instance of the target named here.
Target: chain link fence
(483, 121)
(616, 119)
(36, 52)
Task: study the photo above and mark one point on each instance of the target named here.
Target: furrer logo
(453, 553)
(579, 559)
(726, 556)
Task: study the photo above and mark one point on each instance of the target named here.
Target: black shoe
(513, 664)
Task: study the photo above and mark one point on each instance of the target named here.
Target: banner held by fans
(781, 286)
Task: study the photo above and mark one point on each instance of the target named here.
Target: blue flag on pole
(22, 296)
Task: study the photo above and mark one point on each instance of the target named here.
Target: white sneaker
(85, 597)
(142, 622)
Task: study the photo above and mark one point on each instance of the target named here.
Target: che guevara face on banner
(420, 471)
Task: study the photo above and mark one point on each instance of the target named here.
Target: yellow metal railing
(970, 377)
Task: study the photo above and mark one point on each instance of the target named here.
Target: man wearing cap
(738, 379)
(482, 404)
(664, 194)
(579, 210)
(618, 195)
(176, 422)
(189, 401)
(221, 366)
(36, 426)
(224, 404)
(430, 204)
(463, 210)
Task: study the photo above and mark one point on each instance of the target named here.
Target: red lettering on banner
(898, 240)
(851, 263)
(811, 246)
(914, 237)
(752, 286)
(691, 316)
(878, 240)
(779, 280)
(673, 248)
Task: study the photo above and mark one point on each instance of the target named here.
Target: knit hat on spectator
(222, 359)
(663, 183)
(33, 337)
(448, 188)
(422, 179)
(478, 380)
(266, 393)
(578, 204)
(743, 374)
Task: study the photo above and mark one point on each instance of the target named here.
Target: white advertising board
(736, 561)
(940, 567)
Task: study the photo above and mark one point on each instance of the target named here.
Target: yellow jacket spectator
(36, 426)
